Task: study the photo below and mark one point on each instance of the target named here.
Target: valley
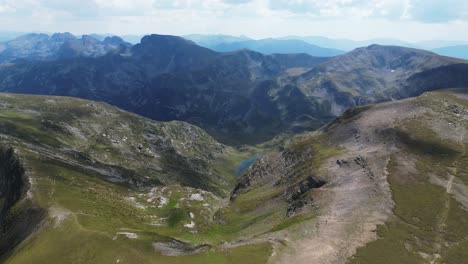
(343, 193)
(169, 152)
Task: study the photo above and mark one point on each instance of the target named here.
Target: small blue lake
(245, 164)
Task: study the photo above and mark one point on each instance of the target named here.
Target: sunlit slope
(383, 183)
(109, 186)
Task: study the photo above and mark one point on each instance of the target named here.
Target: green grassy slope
(429, 225)
(95, 134)
(118, 188)
(113, 184)
(93, 221)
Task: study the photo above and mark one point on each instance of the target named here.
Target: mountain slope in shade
(170, 78)
(460, 51)
(241, 96)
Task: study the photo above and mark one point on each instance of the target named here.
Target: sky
(409, 20)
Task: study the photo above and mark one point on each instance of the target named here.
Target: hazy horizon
(406, 20)
(19, 33)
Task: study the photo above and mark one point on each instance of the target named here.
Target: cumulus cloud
(237, 1)
(5, 8)
(436, 11)
(389, 9)
(254, 17)
(420, 10)
(427, 11)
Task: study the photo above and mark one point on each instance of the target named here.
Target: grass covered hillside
(428, 177)
(399, 193)
(122, 147)
(95, 184)
(101, 185)
(83, 182)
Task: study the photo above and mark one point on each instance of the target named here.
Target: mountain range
(170, 152)
(460, 51)
(9, 35)
(58, 46)
(312, 45)
(347, 44)
(242, 96)
(265, 46)
(322, 46)
(208, 41)
(170, 78)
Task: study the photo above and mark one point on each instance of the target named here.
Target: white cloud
(125, 7)
(407, 19)
(6, 8)
(343, 8)
(436, 11)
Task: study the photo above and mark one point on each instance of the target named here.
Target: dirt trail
(358, 197)
(442, 222)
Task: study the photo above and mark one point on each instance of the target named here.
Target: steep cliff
(18, 217)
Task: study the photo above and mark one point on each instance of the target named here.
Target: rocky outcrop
(284, 171)
(12, 184)
(296, 195)
(18, 218)
(177, 248)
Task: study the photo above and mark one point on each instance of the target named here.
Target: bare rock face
(296, 195)
(177, 248)
(15, 226)
(282, 170)
(12, 185)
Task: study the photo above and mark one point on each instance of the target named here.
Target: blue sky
(411, 20)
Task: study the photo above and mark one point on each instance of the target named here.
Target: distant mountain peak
(63, 36)
(165, 39)
(113, 40)
(38, 47)
(458, 51)
(166, 46)
(89, 38)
